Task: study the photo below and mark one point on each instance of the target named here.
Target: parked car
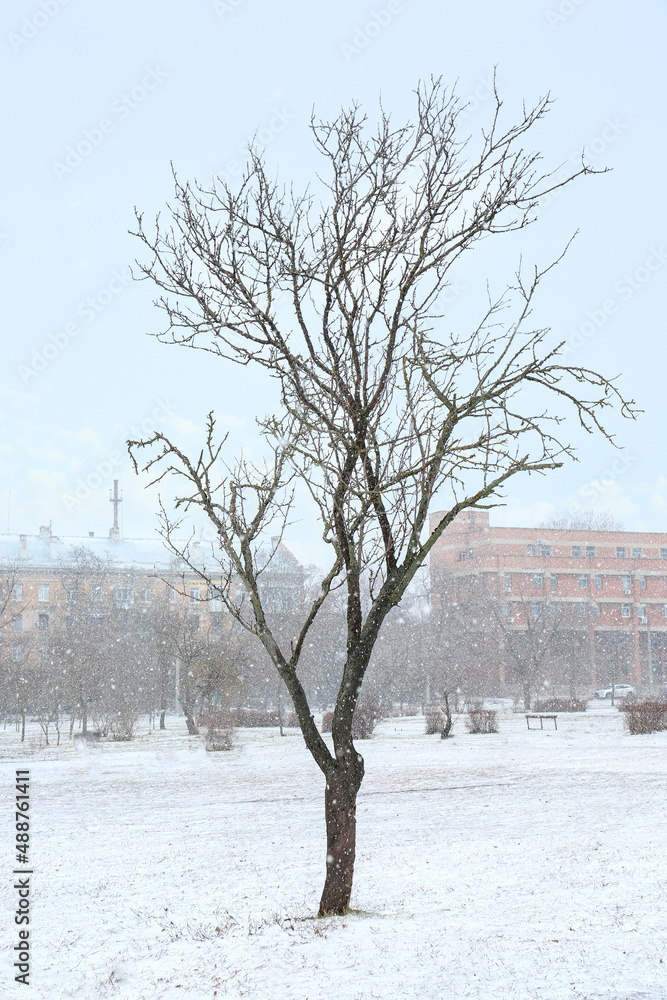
(620, 691)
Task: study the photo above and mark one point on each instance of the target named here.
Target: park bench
(541, 716)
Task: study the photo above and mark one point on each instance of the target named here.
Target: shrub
(482, 720)
(254, 718)
(290, 720)
(434, 722)
(118, 725)
(366, 716)
(327, 722)
(219, 728)
(648, 716)
(561, 705)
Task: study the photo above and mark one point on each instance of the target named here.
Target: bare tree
(462, 635)
(530, 631)
(335, 294)
(585, 520)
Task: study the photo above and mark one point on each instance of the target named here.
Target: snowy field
(518, 865)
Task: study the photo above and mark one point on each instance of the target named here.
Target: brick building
(610, 585)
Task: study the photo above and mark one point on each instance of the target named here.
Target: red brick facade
(614, 584)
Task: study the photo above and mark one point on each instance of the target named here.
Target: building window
(641, 611)
(462, 556)
(663, 553)
(546, 550)
(536, 608)
(576, 550)
(620, 552)
(590, 552)
(596, 610)
(194, 595)
(636, 553)
(145, 595)
(583, 581)
(123, 597)
(97, 594)
(43, 622)
(625, 610)
(553, 581)
(665, 607)
(471, 553)
(17, 653)
(537, 580)
(17, 623)
(70, 595)
(506, 610)
(70, 621)
(17, 592)
(531, 550)
(627, 584)
(507, 581)
(43, 592)
(598, 582)
(171, 594)
(581, 610)
(642, 583)
(193, 622)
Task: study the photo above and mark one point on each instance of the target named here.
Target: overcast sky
(100, 97)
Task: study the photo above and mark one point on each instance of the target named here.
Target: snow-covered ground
(522, 865)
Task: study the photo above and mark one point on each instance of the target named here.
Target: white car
(619, 690)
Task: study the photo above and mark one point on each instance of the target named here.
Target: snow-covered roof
(46, 550)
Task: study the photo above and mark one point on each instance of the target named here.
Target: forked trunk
(340, 807)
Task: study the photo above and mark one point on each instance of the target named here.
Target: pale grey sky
(99, 98)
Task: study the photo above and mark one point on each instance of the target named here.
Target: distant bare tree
(463, 636)
(531, 629)
(337, 295)
(586, 520)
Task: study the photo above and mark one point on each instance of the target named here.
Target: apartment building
(610, 585)
(46, 581)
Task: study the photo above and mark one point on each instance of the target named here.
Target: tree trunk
(340, 807)
(526, 696)
(193, 729)
(84, 717)
(162, 712)
(447, 722)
